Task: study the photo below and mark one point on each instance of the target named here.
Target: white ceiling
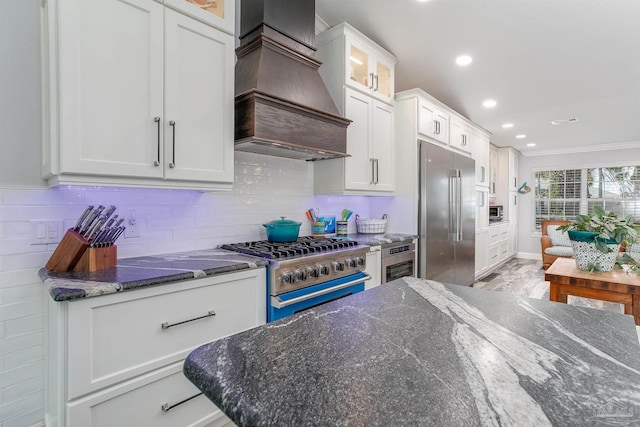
(541, 60)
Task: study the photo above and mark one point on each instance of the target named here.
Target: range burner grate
(303, 246)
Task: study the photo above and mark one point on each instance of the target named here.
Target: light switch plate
(44, 232)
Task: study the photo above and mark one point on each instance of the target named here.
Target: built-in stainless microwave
(495, 213)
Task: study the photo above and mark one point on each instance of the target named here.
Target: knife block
(97, 259)
(74, 254)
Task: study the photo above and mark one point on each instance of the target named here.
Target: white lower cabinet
(164, 398)
(482, 255)
(373, 267)
(116, 360)
(498, 243)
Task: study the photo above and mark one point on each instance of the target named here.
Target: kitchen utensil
(342, 228)
(309, 216)
(82, 218)
(283, 230)
(318, 228)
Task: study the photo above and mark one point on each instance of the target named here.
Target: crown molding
(584, 149)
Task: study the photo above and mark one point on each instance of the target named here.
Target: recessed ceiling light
(521, 136)
(463, 60)
(507, 125)
(489, 103)
(531, 144)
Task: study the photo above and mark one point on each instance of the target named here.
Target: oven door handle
(278, 303)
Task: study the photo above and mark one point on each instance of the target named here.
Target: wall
(169, 220)
(528, 239)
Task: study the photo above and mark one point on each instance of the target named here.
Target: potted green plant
(596, 238)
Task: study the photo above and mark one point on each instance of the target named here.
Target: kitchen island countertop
(416, 352)
(138, 272)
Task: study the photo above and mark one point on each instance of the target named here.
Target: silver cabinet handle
(157, 161)
(373, 170)
(376, 79)
(167, 325)
(166, 407)
(377, 171)
(482, 172)
(278, 303)
(371, 86)
(172, 123)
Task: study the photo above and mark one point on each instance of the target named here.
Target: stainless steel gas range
(308, 272)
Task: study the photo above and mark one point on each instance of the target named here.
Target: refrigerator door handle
(456, 199)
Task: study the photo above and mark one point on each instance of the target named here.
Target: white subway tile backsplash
(23, 293)
(24, 357)
(23, 389)
(12, 344)
(24, 325)
(22, 412)
(23, 373)
(21, 309)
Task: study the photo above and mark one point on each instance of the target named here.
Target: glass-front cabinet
(349, 58)
(218, 13)
(368, 69)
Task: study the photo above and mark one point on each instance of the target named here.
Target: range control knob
(299, 275)
(359, 261)
(324, 270)
(313, 271)
(337, 266)
(287, 277)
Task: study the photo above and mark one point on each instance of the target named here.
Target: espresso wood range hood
(282, 107)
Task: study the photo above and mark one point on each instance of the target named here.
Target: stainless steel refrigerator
(446, 217)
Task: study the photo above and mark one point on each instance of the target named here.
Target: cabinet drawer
(493, 255)
(494, 235)
(115, 337)
(140, 403)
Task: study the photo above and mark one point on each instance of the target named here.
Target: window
(563, 194)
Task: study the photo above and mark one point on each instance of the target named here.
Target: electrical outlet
(44, 232)
(133, 228)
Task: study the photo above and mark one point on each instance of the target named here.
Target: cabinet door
(383, 84)
(382, 147)
(219, 13)
(460, 137)
(482, 251)
(442, 126)
(110, 87)
(373, 267)
(199, 82)
(358, 60)
(426, 118)
(358, 167)
(513, 170)
(482, 210)
(493, 170)
(480, 149)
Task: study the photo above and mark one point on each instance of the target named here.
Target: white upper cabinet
(480, 153)
(351, 59)
(146, 102)
(370, 166)
(359, 77)
(460, 137)
(218, 13)
(433, 121)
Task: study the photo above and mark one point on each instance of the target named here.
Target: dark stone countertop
(419, 353)
(133, 273)
(380, 239)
